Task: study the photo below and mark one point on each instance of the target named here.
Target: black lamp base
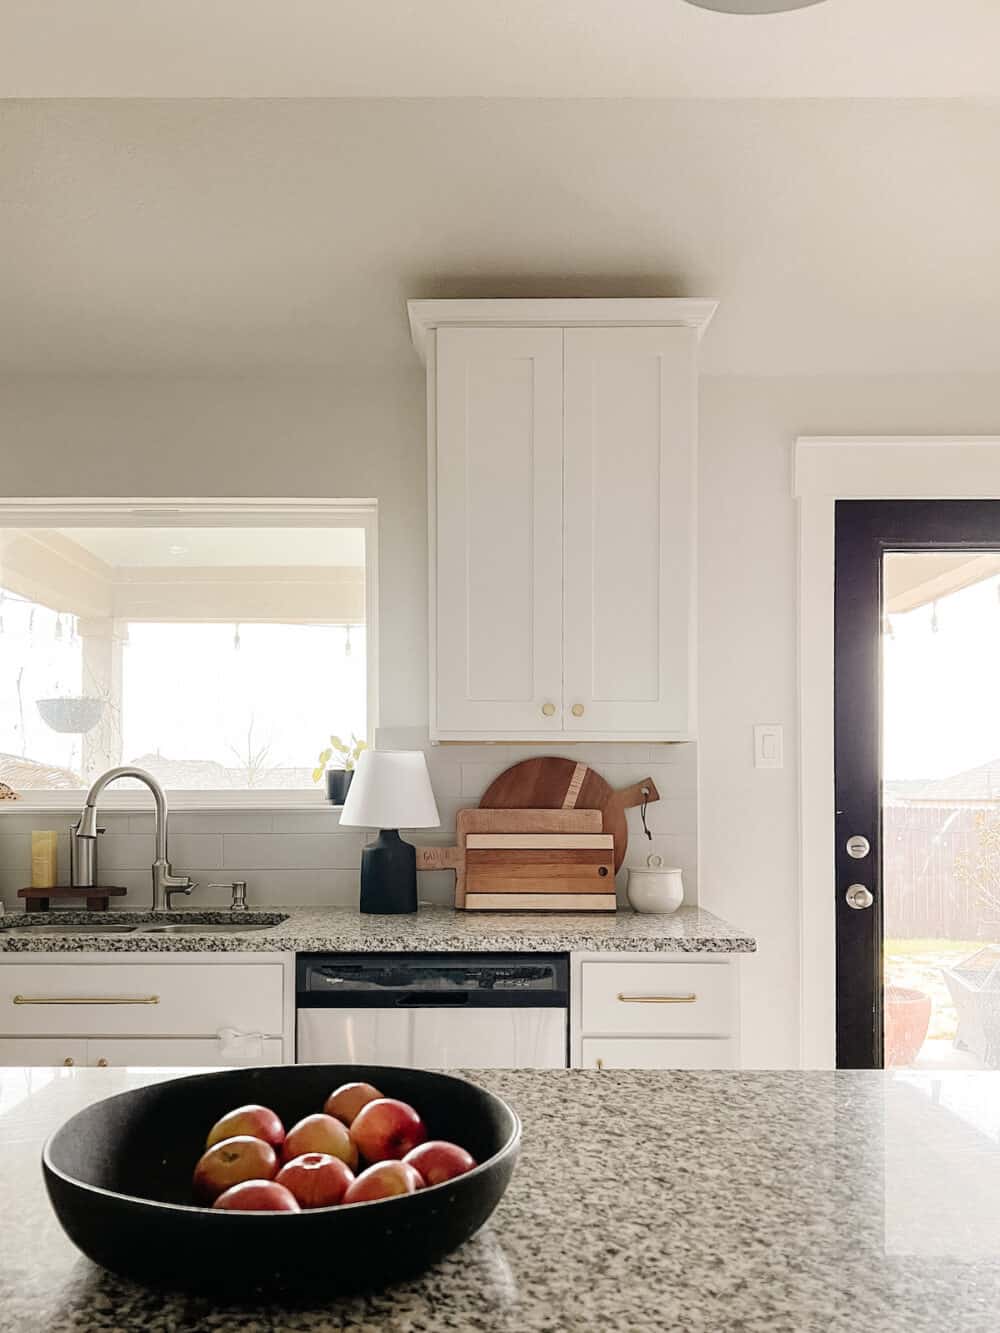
(389, 874)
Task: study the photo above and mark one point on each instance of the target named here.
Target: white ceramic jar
(655, 887)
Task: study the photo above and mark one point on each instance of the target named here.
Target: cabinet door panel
(499, 526)
(630, 420)
(38, 1052)
(657, 1053)
(179, 1052)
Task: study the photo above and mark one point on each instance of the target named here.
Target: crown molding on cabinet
(558, 313)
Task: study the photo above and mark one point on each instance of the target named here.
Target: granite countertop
(432, 929)
(682, 1202)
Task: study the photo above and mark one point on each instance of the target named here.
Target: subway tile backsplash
(305, 858)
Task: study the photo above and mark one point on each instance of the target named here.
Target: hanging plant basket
(73, 715)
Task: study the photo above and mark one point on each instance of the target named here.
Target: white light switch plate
(768, 746)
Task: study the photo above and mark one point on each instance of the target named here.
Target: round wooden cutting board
(561, 784)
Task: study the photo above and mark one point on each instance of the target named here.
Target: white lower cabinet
(42, 1051)
(658, 1053)
(156, 1052)
(182, 1009)
(654, 1011)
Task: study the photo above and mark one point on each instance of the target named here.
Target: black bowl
(119, 1177)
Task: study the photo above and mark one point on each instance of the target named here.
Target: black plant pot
(338, 781)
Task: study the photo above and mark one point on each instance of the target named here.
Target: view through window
(218, 658)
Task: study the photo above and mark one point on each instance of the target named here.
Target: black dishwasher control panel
(427, 980)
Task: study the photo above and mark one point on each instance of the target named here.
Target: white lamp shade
(391, 789)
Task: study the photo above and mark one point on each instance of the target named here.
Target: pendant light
(753, 6)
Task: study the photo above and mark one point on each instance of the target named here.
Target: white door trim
(827, 469)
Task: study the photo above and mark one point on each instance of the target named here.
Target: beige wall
(748, 827)
(321, 436)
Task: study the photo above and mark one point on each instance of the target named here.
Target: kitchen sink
(209, 928)
(134, 923)
(69, 930)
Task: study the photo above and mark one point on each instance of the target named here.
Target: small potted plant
(338, 780)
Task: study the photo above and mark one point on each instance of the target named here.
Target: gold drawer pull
(657, 999)
(86, 999)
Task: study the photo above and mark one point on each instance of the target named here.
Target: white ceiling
(212, 237)
(495, 48)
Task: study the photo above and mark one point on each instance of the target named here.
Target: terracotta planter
(907, 1018)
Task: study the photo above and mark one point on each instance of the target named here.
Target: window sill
(140, 802)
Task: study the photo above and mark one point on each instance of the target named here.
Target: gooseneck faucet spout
(165, 882)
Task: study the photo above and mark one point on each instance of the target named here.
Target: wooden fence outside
(924, 895)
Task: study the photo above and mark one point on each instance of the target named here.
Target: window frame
(165, 512)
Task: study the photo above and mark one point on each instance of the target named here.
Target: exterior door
(629, 512)
(499, 531)
(917, 745)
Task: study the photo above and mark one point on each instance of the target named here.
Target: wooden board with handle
(562, 784)
(521, 821)
(532, 863)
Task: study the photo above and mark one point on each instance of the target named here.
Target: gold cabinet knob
(548, 710)
(577, 710)
(69, 1061)
(102, 1063)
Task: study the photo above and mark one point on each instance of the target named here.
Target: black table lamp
(391, 789)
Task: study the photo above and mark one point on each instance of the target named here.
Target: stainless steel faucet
(165, 882)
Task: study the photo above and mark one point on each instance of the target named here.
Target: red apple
(316, 1179)
(320, 1133)
(260, 1122)
(258, 1196)
(438, 1161)
(346, 1101)
(382, 1181)
(387, 1129)
(231, 1162)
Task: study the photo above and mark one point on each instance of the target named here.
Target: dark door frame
(865, 530)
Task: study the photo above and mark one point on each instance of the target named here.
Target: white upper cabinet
(628, 502)
(499, 532)
(562, 455)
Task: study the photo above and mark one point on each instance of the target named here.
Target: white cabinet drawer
(658, 1053)
(658, 999)
(172, 1052)
(41, 1052)
(140, 999)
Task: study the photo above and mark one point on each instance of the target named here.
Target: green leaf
(318, 774)
(338, 745)
(325, 757)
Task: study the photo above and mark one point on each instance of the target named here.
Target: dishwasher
(433, 1011)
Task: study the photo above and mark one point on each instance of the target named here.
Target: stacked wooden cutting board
(548, 836)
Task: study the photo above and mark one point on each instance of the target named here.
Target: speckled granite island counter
(432, 929)
(686, 1202)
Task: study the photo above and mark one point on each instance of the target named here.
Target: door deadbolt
(858, 846)
(859, 897)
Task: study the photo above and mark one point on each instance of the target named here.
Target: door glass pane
(941, 809)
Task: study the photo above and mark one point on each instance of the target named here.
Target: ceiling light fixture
(753, 6)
